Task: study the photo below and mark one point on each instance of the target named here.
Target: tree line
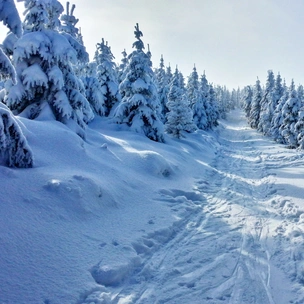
(45, 71)
(276, 110)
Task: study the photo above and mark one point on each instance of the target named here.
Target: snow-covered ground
(212, 218)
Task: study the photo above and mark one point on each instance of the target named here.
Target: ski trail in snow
(222, 251)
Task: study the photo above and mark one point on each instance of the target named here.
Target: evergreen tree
(14, 149)
(299, 128)
(247, 100)
(277, 119)
(180, 115)
(10, 17)
(254, 115)
(196, 100)
(193, 91)
(162, 82)
(44, 61)
(290, 112)
(267, 105)
(140, 102)
(107, 76)
(68, 23)
(169, 74)
(122, 67)
(95, 94)
(213, 114)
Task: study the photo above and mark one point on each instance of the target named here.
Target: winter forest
(46, 71)
(124, 181)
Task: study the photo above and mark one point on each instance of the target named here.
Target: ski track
(227, 245)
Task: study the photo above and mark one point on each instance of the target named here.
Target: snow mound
(81, 194)
(113, 273)
(154, 164)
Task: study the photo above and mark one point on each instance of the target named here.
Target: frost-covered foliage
(180, 115)
(277, 119)
(163, 83)
(213, 114)
(68, 23)
(247, 100)
(122, 66)
(290, 112)
(299, 129)
(44, 61)
(254, 115)
(196, 100)
(14, 149)
(223, 101)
(267, 105)
(94, 92)
(106, 75)
(210, 103)
(138, 107)
(193, 91)
(10, 17)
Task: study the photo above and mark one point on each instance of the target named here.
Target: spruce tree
(193, 91)
(290, 112)
(122, 67)
(44, 61)
(278, 118)
(162, 83)
(267, 105)
(254, 115)
(247, 100)
(107, 77)
(10, 18)
(14, 149)
(138, 107)
(180, 115)
(94, 93)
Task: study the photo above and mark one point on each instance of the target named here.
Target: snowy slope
(212, 218)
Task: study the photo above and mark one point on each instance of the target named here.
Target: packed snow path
(242, 242)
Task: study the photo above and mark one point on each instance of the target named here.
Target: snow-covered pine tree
(122, 67)
(193, 91)
(213, 114)
(299, 128)
(14, 149)
(106, 74)
(162, 83)
(69, 21)
(10, 17)
(277, 119)
(254, 115)
(169, 74)
(196, 101)
(290, 112)
(181, 82)
(94, 93)
(140, 102)
(222, 100)
(247, 100)
(300, 94)
(266, 105)
(204, 92)
(180, 115)
(44, 61)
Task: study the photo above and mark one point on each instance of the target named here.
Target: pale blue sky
(234, 41)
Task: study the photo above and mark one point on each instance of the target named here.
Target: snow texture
(216, 217)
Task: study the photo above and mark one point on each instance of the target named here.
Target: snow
(214, 217)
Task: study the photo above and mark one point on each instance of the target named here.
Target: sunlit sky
(234, 41)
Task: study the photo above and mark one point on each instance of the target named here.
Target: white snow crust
(215, 217)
